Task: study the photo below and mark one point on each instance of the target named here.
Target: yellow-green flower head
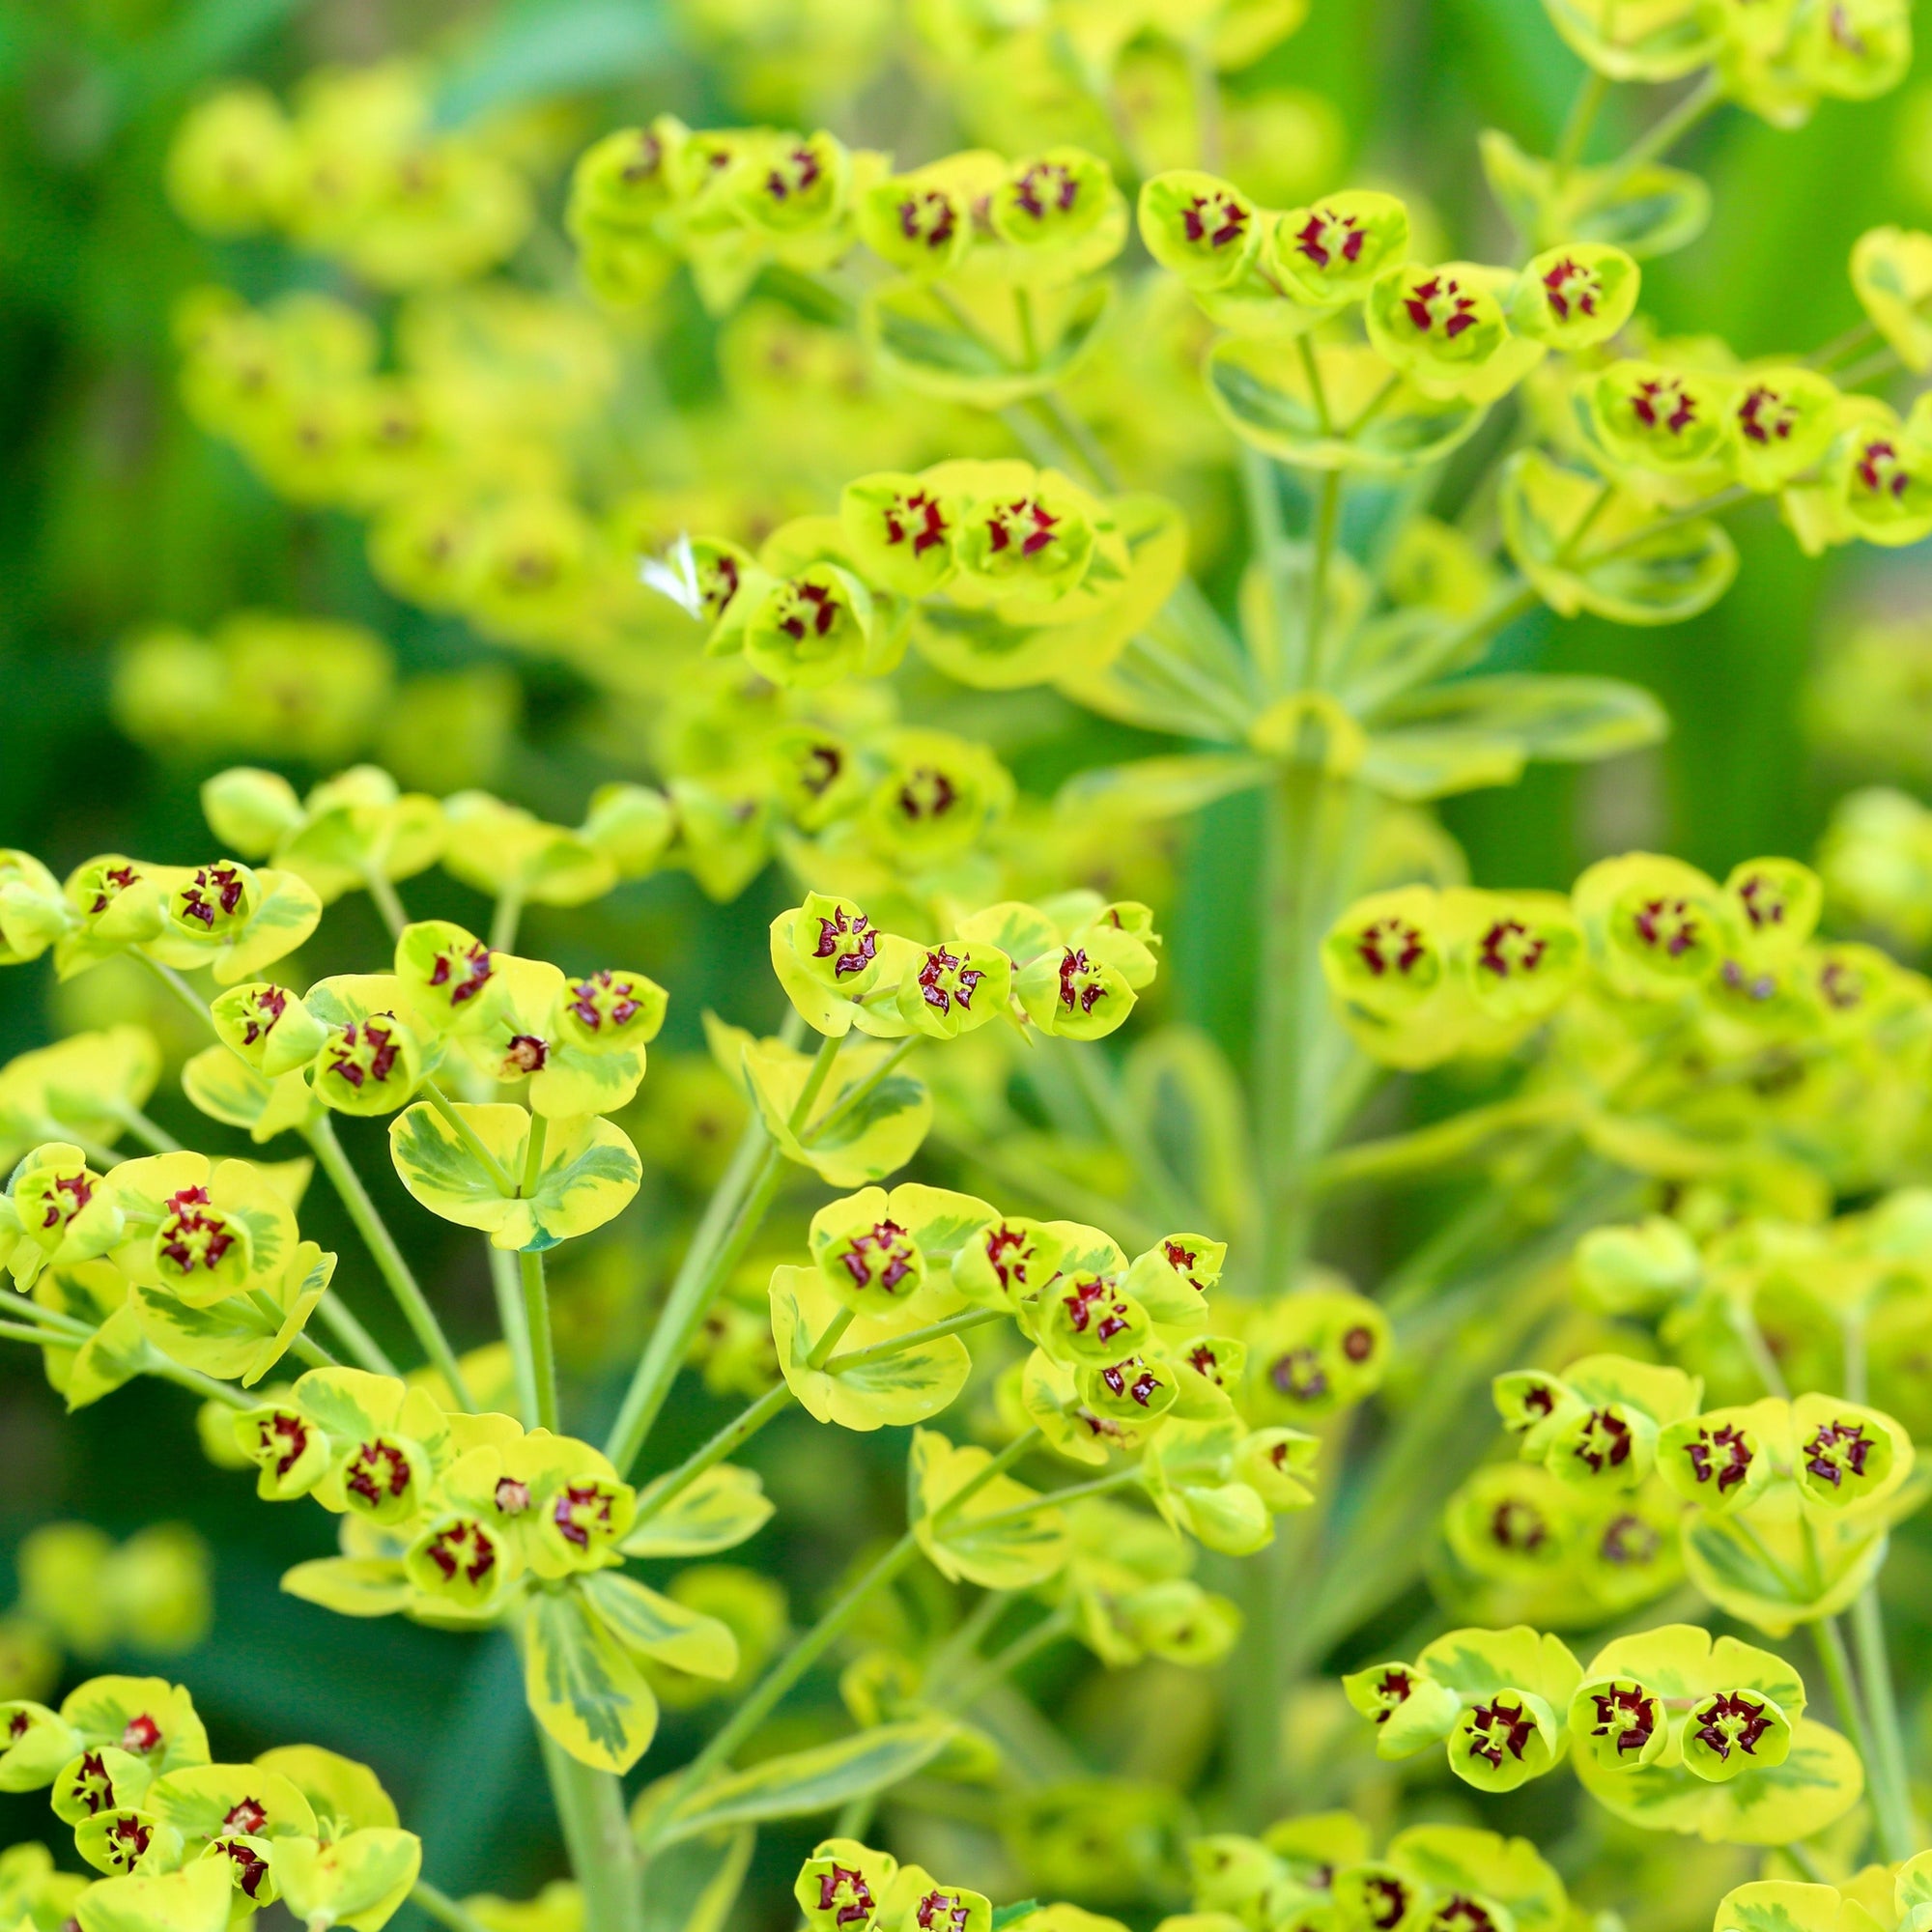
(955, 987)
(213, 902)
(1201, 228)
(1137, 1388)
(1663, 419)
(1846, 1454)
(459, 1561)
(200, 1230)
(1031, 543)
(1388, 952)
(937, 796)
(1313, 1353)
(1721, 1460)
(228, 164)
(1006, 1260)
(1777, 905)
(1891, 276)
(842, 1886)
(1075, 992)
(837, 944)
(1274, 1462)
(624, 182)
(1575, 297)
(1435, 323)
(608, 1011)
(1329, 253)
(1052, 200)
(810, 629)
(1640, 1269)
(820, 776)
(444, 977)
(1854, 50)
(1620, 1721)
(1784, 419)
(868, 1260)
(371, 1062)
(1087, 1319)
(1882, 470)
(721, 569)
(291, 1453)
(1521, 953)
(901, 530)
(33, 914)
(1729, 1732)
(630, 825)
(919, 223)
(794, 183)
(1656, 927)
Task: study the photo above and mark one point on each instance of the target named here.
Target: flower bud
(368, 1066)
(1882, 476)
(1854, 50)
(1784, 421)
(458, 1561)
(1502, 1740)
(902, 531)
(250, 811)
(624, 182)
(1208, 1369)
(1638, 1269)
(1846, 1454)
(229, 164)
(1273, 1462)
(1199, 227)
(200, 1252)
(1171, 1280)
(1575, 297)
(1657, 927)
(1776, 903)
(1330, 253)
(630, 825)
(611, 1012)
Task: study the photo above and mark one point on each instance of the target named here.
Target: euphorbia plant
(1103, 1266)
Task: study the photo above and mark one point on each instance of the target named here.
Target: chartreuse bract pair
(1669, 1730)
(183, 1844)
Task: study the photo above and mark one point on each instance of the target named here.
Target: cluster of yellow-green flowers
(186, 1844)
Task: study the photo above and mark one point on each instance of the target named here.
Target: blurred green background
(117, 512)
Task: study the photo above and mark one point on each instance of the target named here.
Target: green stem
(1100, 466)
(382, 889)
(1513, 601)
(1327, 522)
(1034, 1180)
(735, 1433)
(1591, 95)
(1704, 507)
(473, 1142)
(536, 1293)
(1100, 1485)
(849, 1102)
(1268, 542)
(443, 1909)
(1318, 392)
(1028, 1645)
(834, 1330)
(356, 1341)
(913, 1338)
(307, 1348)
(1744, 1324)
(180, 989)
(1120, 1125)
(506, 1285)
(505, 921)
(1656, 141)
(1598, 505)
(1023, 321)
(597, 1835)
(1802, 1855)
(736, 1210)
(156, 1139)
(817, 1641)
(389, 1258)
(1837, 1663)
(1891, 1796)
